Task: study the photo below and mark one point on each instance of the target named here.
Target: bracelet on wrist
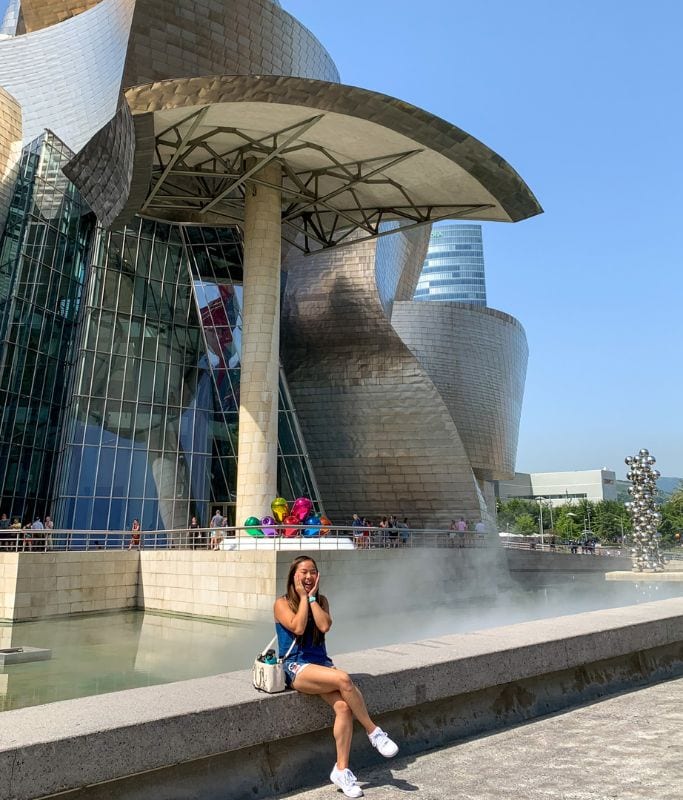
(312, 598)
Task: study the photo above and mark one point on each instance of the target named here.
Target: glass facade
(454, 266)
(42, 270)
(120, 365)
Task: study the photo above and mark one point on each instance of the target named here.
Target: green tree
(510, 510)
(525, 523)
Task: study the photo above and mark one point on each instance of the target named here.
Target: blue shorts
(294, 666)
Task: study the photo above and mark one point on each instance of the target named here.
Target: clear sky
(584, 100)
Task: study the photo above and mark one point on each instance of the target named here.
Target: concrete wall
(218, 739)
(225, 585)
(38, 585)
(242, 585)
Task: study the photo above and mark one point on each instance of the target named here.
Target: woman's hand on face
(314, 590)
(299, 587)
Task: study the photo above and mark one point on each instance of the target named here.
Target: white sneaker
(382, 743)
(345, 780)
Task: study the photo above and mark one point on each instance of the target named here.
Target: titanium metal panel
(477, 359)
(10, 150)
(380, 437)
(39, 14)
(67, 77)
(184, 39)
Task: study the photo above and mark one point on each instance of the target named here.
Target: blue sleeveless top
(304, 651)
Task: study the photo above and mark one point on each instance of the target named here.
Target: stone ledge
(77, 743)
(672, 576)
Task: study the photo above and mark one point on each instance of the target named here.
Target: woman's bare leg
(316, 679)
(343, 727)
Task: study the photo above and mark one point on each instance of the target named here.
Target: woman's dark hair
(292, 595)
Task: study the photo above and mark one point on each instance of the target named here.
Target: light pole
(540, 518)
(572, 516)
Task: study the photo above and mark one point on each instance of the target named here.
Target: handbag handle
(272, 642)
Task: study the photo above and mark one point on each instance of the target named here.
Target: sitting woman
(303, 614)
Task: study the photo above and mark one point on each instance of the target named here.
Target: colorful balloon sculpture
(326, 522)
(268, 529)
(252, 525)
(289, 532)
(312, 526)
(302, 508)
(280, 508)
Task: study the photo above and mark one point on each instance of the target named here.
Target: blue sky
(585, 101)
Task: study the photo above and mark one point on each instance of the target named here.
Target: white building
(560, 487)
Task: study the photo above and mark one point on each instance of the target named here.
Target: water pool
(107, 652)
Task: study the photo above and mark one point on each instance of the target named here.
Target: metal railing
(265, 537)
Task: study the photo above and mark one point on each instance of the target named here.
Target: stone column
(257, 451)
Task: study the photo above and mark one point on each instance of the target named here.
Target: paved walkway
(628, 747)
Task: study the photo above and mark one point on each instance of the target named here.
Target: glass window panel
(83, 514)
(100, 514)
(138, 473)
(117, 514)
(105, 471)
(88, 471)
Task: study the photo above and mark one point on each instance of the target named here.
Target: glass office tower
(454, 266)
(120, 364)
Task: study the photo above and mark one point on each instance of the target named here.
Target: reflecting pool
(106, 652)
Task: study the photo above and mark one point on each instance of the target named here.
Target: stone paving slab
(628, 747)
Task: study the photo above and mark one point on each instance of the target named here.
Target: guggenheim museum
(209, 247)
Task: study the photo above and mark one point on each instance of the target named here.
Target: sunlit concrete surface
(645, 577)
(626, 747)
(216, 738)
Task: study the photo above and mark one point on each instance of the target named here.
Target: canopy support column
(260, 363)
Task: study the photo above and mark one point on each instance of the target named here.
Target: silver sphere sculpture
(643, 510)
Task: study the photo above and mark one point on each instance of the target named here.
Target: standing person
(452, 533)
(37, 539)
(216, 523)
(358, 532)
(5, 534)
(404, 531)
(135, 535)
(196, 537)
(302, 615)
(17, 534)
(49, 527)
(461, 528)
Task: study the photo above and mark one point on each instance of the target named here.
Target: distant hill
(667, 486)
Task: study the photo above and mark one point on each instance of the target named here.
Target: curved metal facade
(477, 359)
(74, 90)
(10, 150)
(70, 89)
(221, 37)
(405, 408)
(380, 437)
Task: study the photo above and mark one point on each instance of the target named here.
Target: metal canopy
(198, 170)
(350, 159)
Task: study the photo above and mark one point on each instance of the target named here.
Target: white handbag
(268, 673)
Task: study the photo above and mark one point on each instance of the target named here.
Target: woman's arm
(320, 609)
(296, 623)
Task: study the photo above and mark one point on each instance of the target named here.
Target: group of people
(460, 531)
(35, 535)
(388, 532)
